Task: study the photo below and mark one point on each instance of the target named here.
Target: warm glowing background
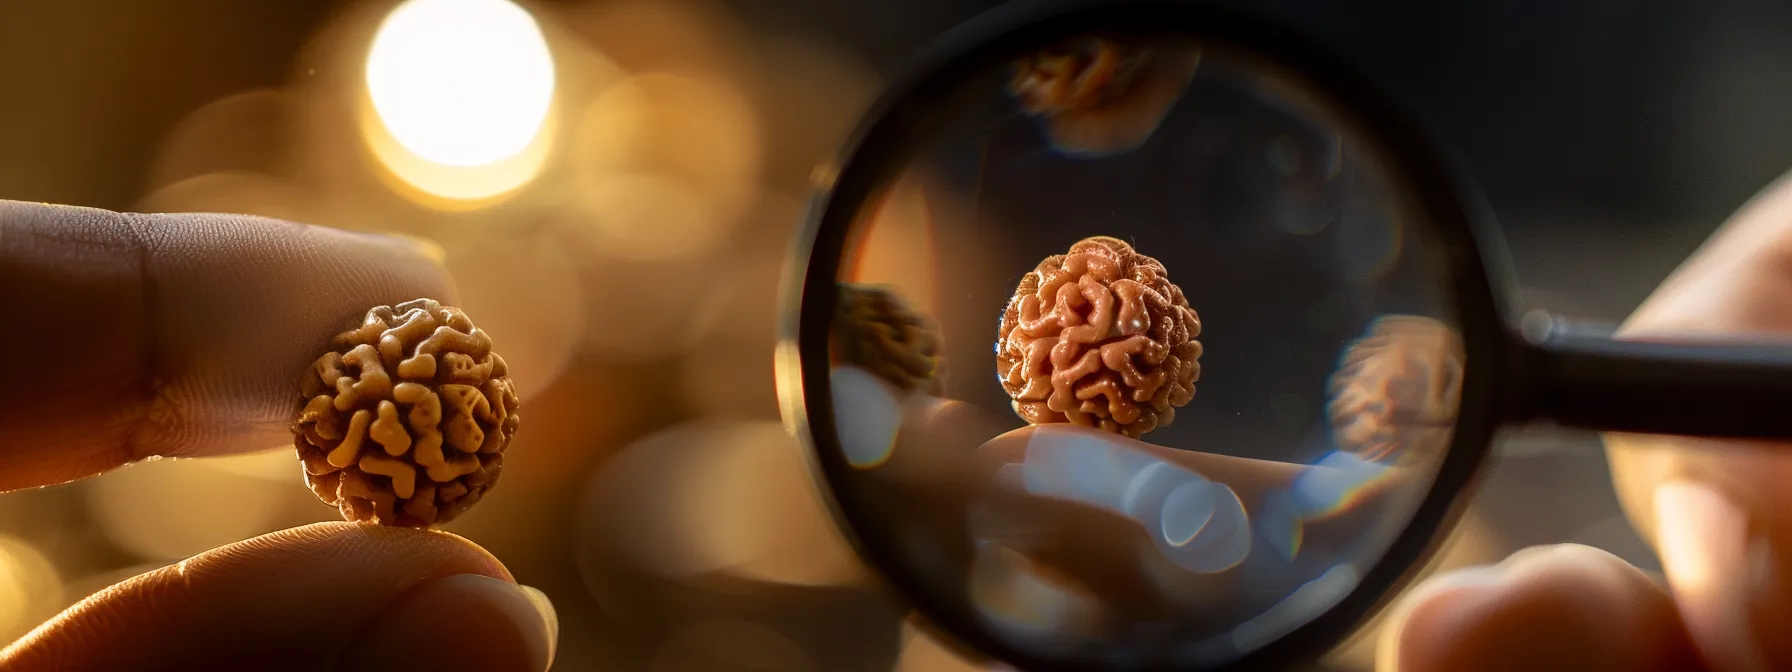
(613, 184)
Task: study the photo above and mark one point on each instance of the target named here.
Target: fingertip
(419, 265)
(243, 305)
(1428, 615)
(305, 593)
(1565, 607)
(176, 334)
(460, 622)
(365, 543)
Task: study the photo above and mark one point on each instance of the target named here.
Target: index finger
(132, 336)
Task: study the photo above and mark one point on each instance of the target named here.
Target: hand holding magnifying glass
(1715, 511)
(1255, 524)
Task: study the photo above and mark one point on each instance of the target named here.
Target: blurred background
(620, 220)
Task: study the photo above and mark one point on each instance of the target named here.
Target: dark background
(1610, 138)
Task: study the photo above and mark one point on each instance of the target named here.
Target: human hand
(1718, 513)
(133, 337)
(1084, 530)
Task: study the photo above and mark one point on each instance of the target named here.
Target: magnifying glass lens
(1138, 353)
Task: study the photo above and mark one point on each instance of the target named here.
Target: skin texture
(223, 609)
(1715, 511)
(173, 335)
(136, 336)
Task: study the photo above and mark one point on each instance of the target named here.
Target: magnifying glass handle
(1707, 387)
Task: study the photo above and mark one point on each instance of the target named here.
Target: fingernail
(465, 621)
(1714, 569)
(545, 609)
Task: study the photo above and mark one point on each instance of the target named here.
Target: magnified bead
(1099, 337)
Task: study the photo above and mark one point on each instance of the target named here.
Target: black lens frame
(1505, 372)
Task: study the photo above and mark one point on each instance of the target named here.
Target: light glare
(461, 82)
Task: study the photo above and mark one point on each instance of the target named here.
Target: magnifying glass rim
(1437, 194)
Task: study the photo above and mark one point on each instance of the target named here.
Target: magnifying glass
(1146, 336)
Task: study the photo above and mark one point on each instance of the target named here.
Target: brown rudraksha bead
(1397, 390)
(1079, 74)
(406, 418)
(875, 331)
(1099, 337)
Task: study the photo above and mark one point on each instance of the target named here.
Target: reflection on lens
(1345, 483)
(876, 332)
(1397, 390)
(1280, 524)
(1083, 507)
(1098, 96)
(870, 411)
(1026, 600)
(1312, 597)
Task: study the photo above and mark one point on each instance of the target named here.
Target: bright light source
(461, 82)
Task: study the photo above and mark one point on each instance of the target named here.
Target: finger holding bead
(172, 335)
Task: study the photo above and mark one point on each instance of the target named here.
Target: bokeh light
(527, 295)
(81, 588)
(461, 82)
(810, 97)
(234, 192)
(650, 218)
(170, 509)
(461, 96)
(898, 249)
(718, 497)
(665, 165)
(728, 373)
(30, 589)
(655, 35)
(241, 133)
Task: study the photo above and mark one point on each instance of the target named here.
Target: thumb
(1563, 607)
(1716, 513)
(328, 596)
